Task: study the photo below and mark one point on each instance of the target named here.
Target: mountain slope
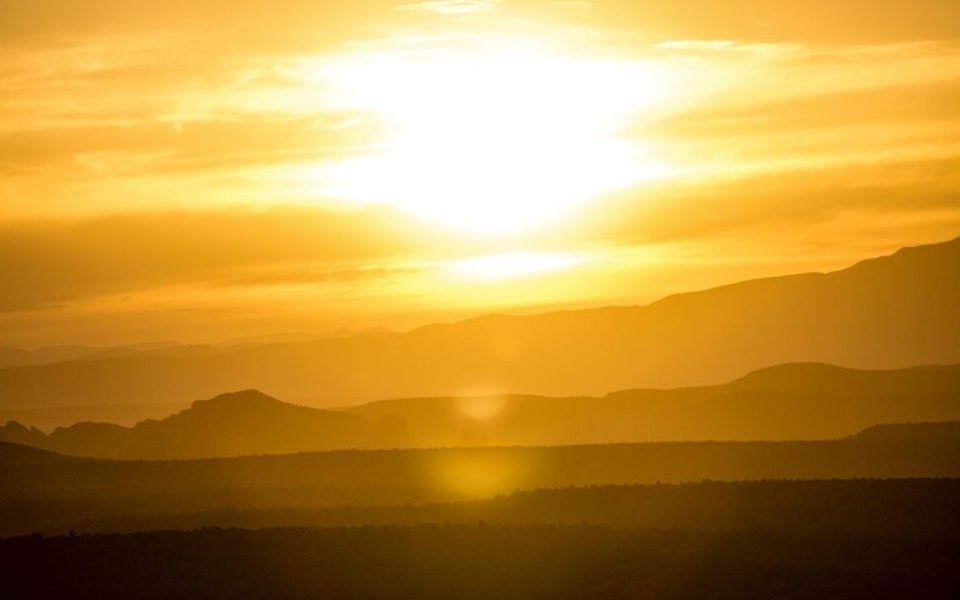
(897, 432)
(59, 494)
(235, 424)
(20, 456)
(889, 312)
(786, 402)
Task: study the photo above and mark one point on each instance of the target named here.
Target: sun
(491, 137)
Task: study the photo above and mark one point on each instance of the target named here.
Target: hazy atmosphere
(201, 171)
(479, 300)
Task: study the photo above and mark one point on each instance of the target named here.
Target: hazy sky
(204, 170)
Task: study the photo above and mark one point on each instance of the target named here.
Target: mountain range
(885, 313)
(786, 402)
(16, 357)
(233, 424)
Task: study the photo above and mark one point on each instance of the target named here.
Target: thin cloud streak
(451, 7)
(47, 262)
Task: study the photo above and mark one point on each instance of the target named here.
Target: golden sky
(198, 170)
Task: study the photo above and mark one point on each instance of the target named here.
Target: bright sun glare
(498, 138)
(513, 265)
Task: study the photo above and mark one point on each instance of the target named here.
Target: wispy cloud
(573, 4)
(286, 276)
(142, 144)
(451, 7)
(44, 262)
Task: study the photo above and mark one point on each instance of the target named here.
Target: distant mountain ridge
(787, 402)
(884, 313)
(16, 357)
(233, 424)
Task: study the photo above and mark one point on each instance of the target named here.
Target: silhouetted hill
(51, 417)
(19, 456)
(796, 401)
(890, 312)
(235, 424)
(948, 431)
(479, 562)
(825, 378)
(247, 491)
(787, 402)
(903, 507)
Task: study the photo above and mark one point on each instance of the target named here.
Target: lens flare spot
(481, 408)
(481, 473)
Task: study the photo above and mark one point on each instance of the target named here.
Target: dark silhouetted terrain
(890, 312)
(524, 501)
(808, 524)
(787, 402)
(50, 418)
(901, 507)
(54, 492)
(17, 456)
(479, 562)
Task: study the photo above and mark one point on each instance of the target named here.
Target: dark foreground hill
(17, 456)
(480, 561)
(800, 401)
(62, 493)
(889, 312)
